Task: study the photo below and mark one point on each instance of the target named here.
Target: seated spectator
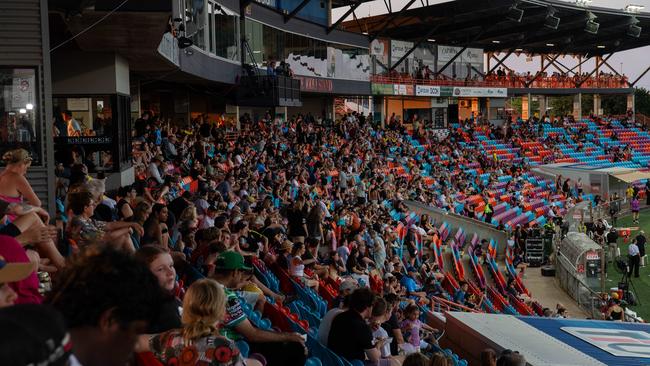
(412, 327)
(350, 336)
(510, 358)
(161, 264)
(24, 290)
(416, 359)
(297, 267)
(326, 322)
(28, 227)
(203, 310)
(33, 335)
(380, 314)
(107, 298)
(11, 272)
(277, 348)
(85, 230)
(460, 296)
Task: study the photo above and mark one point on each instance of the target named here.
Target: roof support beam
(580, 64)
(416, 45)
(353, 7)
(385, 25)
(610, 67)
(579, 84)
(539, 73)
(640, 76)
(560, 65)
(501, 61)
(388, 6)
(296, 10)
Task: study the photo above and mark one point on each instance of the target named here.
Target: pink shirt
(26, 289)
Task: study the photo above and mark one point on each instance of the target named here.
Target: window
(195, 19)
(19, 112)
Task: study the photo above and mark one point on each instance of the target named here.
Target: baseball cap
(231, 261)
(14, 272)
(411, 269)
(348, 284)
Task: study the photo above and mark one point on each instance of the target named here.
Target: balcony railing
(608, 82)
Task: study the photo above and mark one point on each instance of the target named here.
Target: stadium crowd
(172, 264)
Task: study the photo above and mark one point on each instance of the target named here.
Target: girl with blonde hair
(198, 341)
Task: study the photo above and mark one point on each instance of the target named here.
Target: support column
(529, 105)
(543, 104)
(597, 104)
(525, 106)
(630, 104)
(577, 106)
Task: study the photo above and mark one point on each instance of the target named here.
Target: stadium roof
(491, 25)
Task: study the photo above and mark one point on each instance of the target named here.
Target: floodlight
(591, 26)
(551, 20)
(515, 14)
(633, 31)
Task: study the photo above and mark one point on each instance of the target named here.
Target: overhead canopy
(632, 176)
(489, 25)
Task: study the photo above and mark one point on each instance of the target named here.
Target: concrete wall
(471, 226)
(25, 43)
(77, 73)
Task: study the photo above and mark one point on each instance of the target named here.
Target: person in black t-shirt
(350, 336)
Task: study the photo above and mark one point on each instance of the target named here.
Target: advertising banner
(469, 55)
(427, 90)
(379, 48)
(460, 91)
(402, 89)
(399, 49)
(382, 89)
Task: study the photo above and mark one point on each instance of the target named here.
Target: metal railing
(507, 82)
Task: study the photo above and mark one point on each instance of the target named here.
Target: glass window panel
(19, 110)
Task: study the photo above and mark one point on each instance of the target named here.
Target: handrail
(506, 82)
(452, 305)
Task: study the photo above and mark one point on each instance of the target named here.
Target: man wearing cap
(277, 348)
(345, 289)
(411, 285)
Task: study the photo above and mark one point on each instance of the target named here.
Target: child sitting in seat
(418, 335)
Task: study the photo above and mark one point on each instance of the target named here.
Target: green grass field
(642, 284)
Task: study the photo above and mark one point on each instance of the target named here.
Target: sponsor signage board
(427, 90)
(617, 342)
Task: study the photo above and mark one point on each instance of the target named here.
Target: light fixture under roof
(431, 40)
(514, 13)
(591, 26)
(551, 21)
(635, 9)
(496, 42)
(550, 44)
(519, 49)
(600, 46)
